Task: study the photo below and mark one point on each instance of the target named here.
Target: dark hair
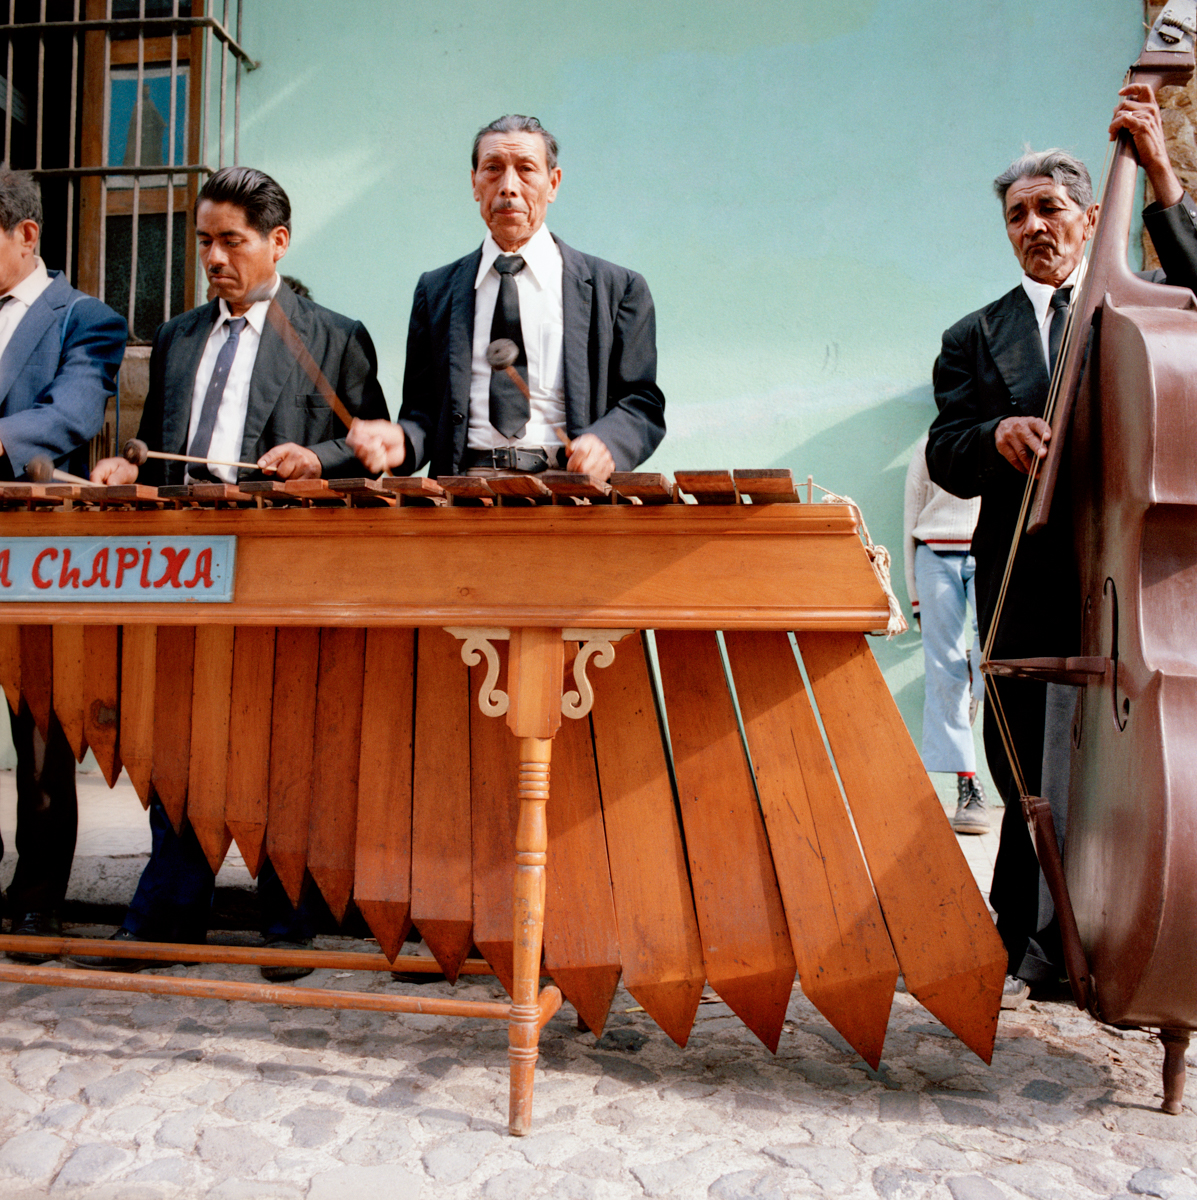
(1059, 166)
(297, 286)
(263, 201)
(20, 198)
(515, 123)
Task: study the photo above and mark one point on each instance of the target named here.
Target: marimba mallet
(294, 343)
(501, 354)
(41, 469)
(138, 453)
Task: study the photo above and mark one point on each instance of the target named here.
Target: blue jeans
(950, 648)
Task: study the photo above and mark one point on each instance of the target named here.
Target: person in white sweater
(939, 580)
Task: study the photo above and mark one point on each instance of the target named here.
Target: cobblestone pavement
(116, 1096)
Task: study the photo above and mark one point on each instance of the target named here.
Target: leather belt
(529, 459)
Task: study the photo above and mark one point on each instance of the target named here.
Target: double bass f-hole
(1121, 711)
(1078, 716)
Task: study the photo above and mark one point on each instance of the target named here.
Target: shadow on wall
(865, 456)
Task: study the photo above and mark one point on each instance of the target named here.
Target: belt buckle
(504, 458)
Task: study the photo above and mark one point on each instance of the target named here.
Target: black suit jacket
(609, 352)
(284, 405)
(990, 367)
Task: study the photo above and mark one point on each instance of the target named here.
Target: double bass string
(992, 695)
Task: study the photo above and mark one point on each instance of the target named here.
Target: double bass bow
(1123, 414)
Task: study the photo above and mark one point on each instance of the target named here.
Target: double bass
(1123, 411)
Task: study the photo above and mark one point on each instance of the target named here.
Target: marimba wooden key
(247, 800)
(442, 903)
(174, 674)
(292, 750)
(382, 853)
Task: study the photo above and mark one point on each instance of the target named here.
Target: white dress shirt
(542, 322)
(13, 311)
(1040, 296)
(234, 404)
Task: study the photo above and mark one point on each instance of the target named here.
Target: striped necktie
(201, 443)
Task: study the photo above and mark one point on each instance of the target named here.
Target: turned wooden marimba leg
(534, 716)
(531, 845)
(1175, 1043)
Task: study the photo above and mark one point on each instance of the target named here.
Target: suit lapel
(577, 298)
(182, 362)
(461, 333)
(1017, 349)
(42, 314)
(273, 368)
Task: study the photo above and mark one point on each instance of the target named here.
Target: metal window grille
(113, 107)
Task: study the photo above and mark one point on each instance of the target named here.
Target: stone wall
(1178, 106)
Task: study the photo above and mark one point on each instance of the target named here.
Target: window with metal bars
(98, 97)
(120, 109)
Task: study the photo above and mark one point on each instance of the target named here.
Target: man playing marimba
(584, 329)
(59, 354)
(225, 385)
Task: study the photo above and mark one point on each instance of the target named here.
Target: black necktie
(202, 441)
(509, 410)
(1055, 335)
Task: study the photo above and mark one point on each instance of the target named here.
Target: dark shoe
(418, 976)
(971, 813)
(286, 974)
(1014, 991)
(91, 962)
(34, 924)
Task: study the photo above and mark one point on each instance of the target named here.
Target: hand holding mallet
(41, 469)
(138, 453)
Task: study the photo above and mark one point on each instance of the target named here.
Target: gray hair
(1061, 167)
(516, 123)
(20, 199)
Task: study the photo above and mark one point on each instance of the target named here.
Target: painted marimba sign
(105, 570)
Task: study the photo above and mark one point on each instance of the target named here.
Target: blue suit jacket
(56, 375)
(609, 351)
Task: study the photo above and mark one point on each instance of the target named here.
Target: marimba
(321, 671)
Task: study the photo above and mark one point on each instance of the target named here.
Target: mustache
(507, 206)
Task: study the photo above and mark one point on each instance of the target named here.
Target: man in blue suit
(59, 354)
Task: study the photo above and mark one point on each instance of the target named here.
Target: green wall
(806, 187)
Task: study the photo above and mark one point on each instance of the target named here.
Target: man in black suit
(991, 384)
(224, 385)
(59, 354)
(270, 411)
(585, 331)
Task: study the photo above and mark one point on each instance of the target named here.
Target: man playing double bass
(991, 383)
